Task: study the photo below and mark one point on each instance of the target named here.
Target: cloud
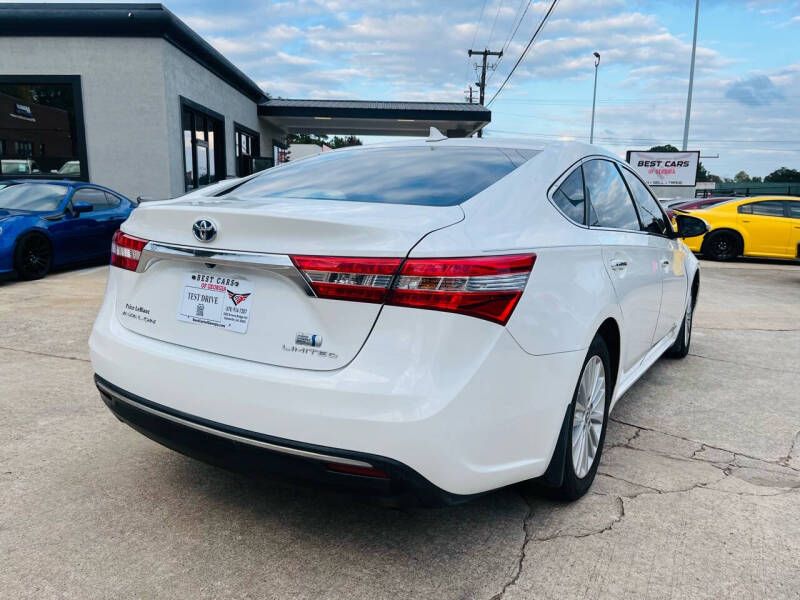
(754, 91)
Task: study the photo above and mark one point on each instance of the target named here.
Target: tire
(681, 346)
(33, 256)
(580, 466)
(721, 245)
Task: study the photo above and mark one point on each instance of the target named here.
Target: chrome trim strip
(232, 436)
(279, 264)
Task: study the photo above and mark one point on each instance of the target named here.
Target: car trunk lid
(239, 294)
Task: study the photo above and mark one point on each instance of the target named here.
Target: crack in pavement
(744, 364)
(522, 551)
(46, 354)
(685, 439)
(726, 469)
(784, 462)
(745, 329)
(608, 527)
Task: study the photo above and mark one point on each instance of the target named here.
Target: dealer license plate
(217, 300)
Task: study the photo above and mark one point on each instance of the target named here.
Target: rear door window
(651, 215)
(424, 175)
(768, 208)
(794, 209)
(569, 197)
(610, 205)
(111, 200)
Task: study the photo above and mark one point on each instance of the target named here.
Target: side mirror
(81, 207)
(689, 226)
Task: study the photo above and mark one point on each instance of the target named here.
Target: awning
(363, 117)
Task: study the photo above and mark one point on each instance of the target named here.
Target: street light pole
(691, 78)
(594, 96)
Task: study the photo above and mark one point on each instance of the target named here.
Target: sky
(747, 79)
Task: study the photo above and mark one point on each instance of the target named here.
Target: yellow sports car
(767, 226)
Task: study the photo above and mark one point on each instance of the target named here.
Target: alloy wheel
(35, 257)
(587, 419)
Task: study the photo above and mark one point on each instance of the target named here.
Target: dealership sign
(665, 168)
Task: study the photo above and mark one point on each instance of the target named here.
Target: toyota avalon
(425, 320)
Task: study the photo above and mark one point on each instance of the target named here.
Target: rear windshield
(426, 175)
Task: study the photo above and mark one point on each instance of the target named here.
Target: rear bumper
(257, 454)
(454, 399)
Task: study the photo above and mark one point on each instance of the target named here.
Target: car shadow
(9, 279)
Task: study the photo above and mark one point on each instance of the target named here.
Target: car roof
(47, 181)
(64, 182)
(489, 142)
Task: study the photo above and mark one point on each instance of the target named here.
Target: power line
(525, 51)
(475, 35)
(494, 23)
(512, 33)
(621, 140)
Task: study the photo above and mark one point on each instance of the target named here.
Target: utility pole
(691, 78)
(482, 83)
(594, 96)
(469, 91)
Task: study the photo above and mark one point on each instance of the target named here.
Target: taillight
(126, 250)
(484, 287)
(357, 279)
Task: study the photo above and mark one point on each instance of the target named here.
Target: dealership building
(128, 96)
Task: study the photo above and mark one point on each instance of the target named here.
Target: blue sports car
(46, 224)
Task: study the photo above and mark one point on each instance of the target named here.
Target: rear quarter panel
(569, 293)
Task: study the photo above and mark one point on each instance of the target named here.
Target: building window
(41, 127)
(203, 145)
(247, 143)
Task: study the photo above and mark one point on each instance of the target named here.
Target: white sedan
(423, 321)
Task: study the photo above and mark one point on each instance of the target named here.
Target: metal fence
(778, 189)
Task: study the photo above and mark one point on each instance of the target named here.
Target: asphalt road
(697, 495)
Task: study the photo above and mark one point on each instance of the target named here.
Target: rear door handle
(618, 264)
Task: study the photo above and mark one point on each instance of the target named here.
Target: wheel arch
(554, 475)
(609, 331)
(33, 231)
(738, 234)
(28, 232)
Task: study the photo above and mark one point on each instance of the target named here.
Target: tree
(323, 139)
(343, 142)
(664, 148)
(756, 179)
(305, 138)
(783, 175)
(742, 177)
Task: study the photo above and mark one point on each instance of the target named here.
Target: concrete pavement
(697, 495)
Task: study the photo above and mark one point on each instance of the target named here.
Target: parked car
(765, 226)
(45, 224)
(18, 166)
(428, 319)
(684, 204)
(71, 167)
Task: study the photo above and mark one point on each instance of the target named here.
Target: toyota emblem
(204, 230)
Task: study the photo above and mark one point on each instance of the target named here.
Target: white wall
(300, 151)
(124, 111)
